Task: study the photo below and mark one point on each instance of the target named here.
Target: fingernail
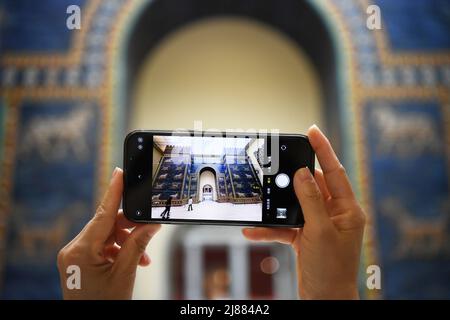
(305, 174)
(116, 170)
(145, 256)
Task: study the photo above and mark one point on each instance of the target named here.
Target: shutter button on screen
(282, 180)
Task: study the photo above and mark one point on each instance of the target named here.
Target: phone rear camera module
(140, 147)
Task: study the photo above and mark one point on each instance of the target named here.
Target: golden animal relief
(54, 137)
(418, 237)
(404, 134)
(42, 241)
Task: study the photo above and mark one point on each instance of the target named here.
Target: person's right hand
(328, 246)
(106, 251)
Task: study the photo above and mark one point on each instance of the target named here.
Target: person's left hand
(106, 251)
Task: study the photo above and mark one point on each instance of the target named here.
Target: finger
(145, 260)
(111, 240)
(320, 179)
(121, 229)
(111, 253)
(333, 171)
(134, 247)
(123, 223)
(282, 235)
(102, 224)
(121, 235)
(310, 197)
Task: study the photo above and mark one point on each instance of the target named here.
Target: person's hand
(328, 246)
(106, 250)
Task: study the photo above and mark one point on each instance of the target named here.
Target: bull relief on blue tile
(410, 183)
(55, 170)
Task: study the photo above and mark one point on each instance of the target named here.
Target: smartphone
(188, 177)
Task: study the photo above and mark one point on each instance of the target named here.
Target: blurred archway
(237, 68)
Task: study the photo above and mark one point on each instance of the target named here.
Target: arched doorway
(260, 79)
(207, 185)
(207, 192)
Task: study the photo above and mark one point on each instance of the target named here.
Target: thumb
(102, 224)
(310, 197)
(134, 247)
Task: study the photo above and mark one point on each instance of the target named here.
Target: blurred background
(68, 97)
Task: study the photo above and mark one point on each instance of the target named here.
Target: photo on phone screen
(207, 178)
(242, 179)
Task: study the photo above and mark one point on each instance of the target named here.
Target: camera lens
(283, 147)
(138, 213)
(140, 139)
(139, 176)
(140, 146)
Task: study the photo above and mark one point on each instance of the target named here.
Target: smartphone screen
(216, 178)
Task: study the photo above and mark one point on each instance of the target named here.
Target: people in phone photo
(190, 204)
(166, 213)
